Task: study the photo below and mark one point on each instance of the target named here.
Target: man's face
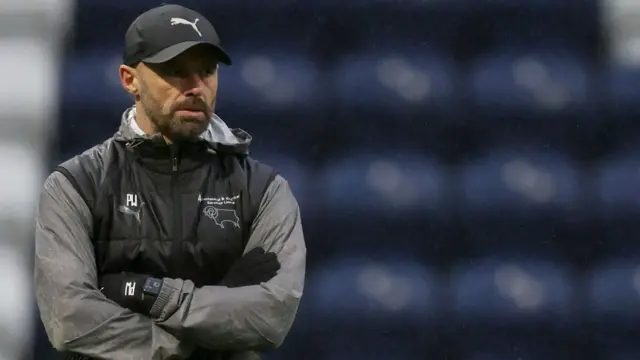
(178, 96)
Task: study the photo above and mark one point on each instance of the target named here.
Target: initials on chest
(177, 215)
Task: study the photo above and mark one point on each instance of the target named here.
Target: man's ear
(129, 79)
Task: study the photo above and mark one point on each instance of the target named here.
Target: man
(167, 241)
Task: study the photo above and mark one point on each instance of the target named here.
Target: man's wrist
(138, 292)
(165, 303)
(152, 286)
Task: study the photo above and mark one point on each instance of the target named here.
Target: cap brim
(177, 49)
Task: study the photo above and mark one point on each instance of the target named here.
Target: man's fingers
(255, 251)
(264, 263)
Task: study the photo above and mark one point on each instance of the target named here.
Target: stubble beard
(175, 129)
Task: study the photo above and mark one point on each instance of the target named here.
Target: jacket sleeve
(77, 317)
(254, 317)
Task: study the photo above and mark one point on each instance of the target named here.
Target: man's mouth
(192, 113)
(191, 109)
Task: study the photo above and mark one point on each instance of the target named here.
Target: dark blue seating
(269, 79)
(396, 77)
(376, 295)
(538, 80)
(506, 355)
(621, 91)
(300, 179)
(495, 292)
(614, 291)
(91, 79)
(617, 185)
(521, 180)
(385, 185)
(624, 354)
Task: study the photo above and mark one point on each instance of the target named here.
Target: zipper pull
(174, 151)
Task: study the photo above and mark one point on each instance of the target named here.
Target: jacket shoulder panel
(88, 170)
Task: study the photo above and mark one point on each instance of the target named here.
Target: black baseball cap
(162, 33)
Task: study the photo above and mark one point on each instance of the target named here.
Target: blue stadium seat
(276, 20)
(385, 186)
(623, 354)
(521, 181)
(396, 201)
(257, 4)
(262, 80)
(614, 291)
(394, 77)
(92, 99)
(142, 5)
(618, 342)
(622, 90)
(297, 175)
(503, 235)
(270, 78)
(385, 345)
(368, 352)
(354, 292)
(616, 180)
(394, 89)
(526, 4)
(524, 355)
(91, 79)
(512, 291)
(367, 4)
(539, 80)
(508, 342)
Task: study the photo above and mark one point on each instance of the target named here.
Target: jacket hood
(218, 135)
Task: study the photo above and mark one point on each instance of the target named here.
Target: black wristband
(136, 292)
(141, 293)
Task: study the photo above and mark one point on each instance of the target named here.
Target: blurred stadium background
(468, 170)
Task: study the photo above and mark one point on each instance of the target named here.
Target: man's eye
(177, 72)
(210, 71)
(170, 71)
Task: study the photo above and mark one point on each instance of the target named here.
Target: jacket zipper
(176, 194)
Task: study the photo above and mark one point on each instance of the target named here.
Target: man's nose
(193, 85)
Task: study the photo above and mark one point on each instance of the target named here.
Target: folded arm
(77, 317)
(254, 317)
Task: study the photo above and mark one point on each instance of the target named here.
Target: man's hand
(253, 268)
(132, 291)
